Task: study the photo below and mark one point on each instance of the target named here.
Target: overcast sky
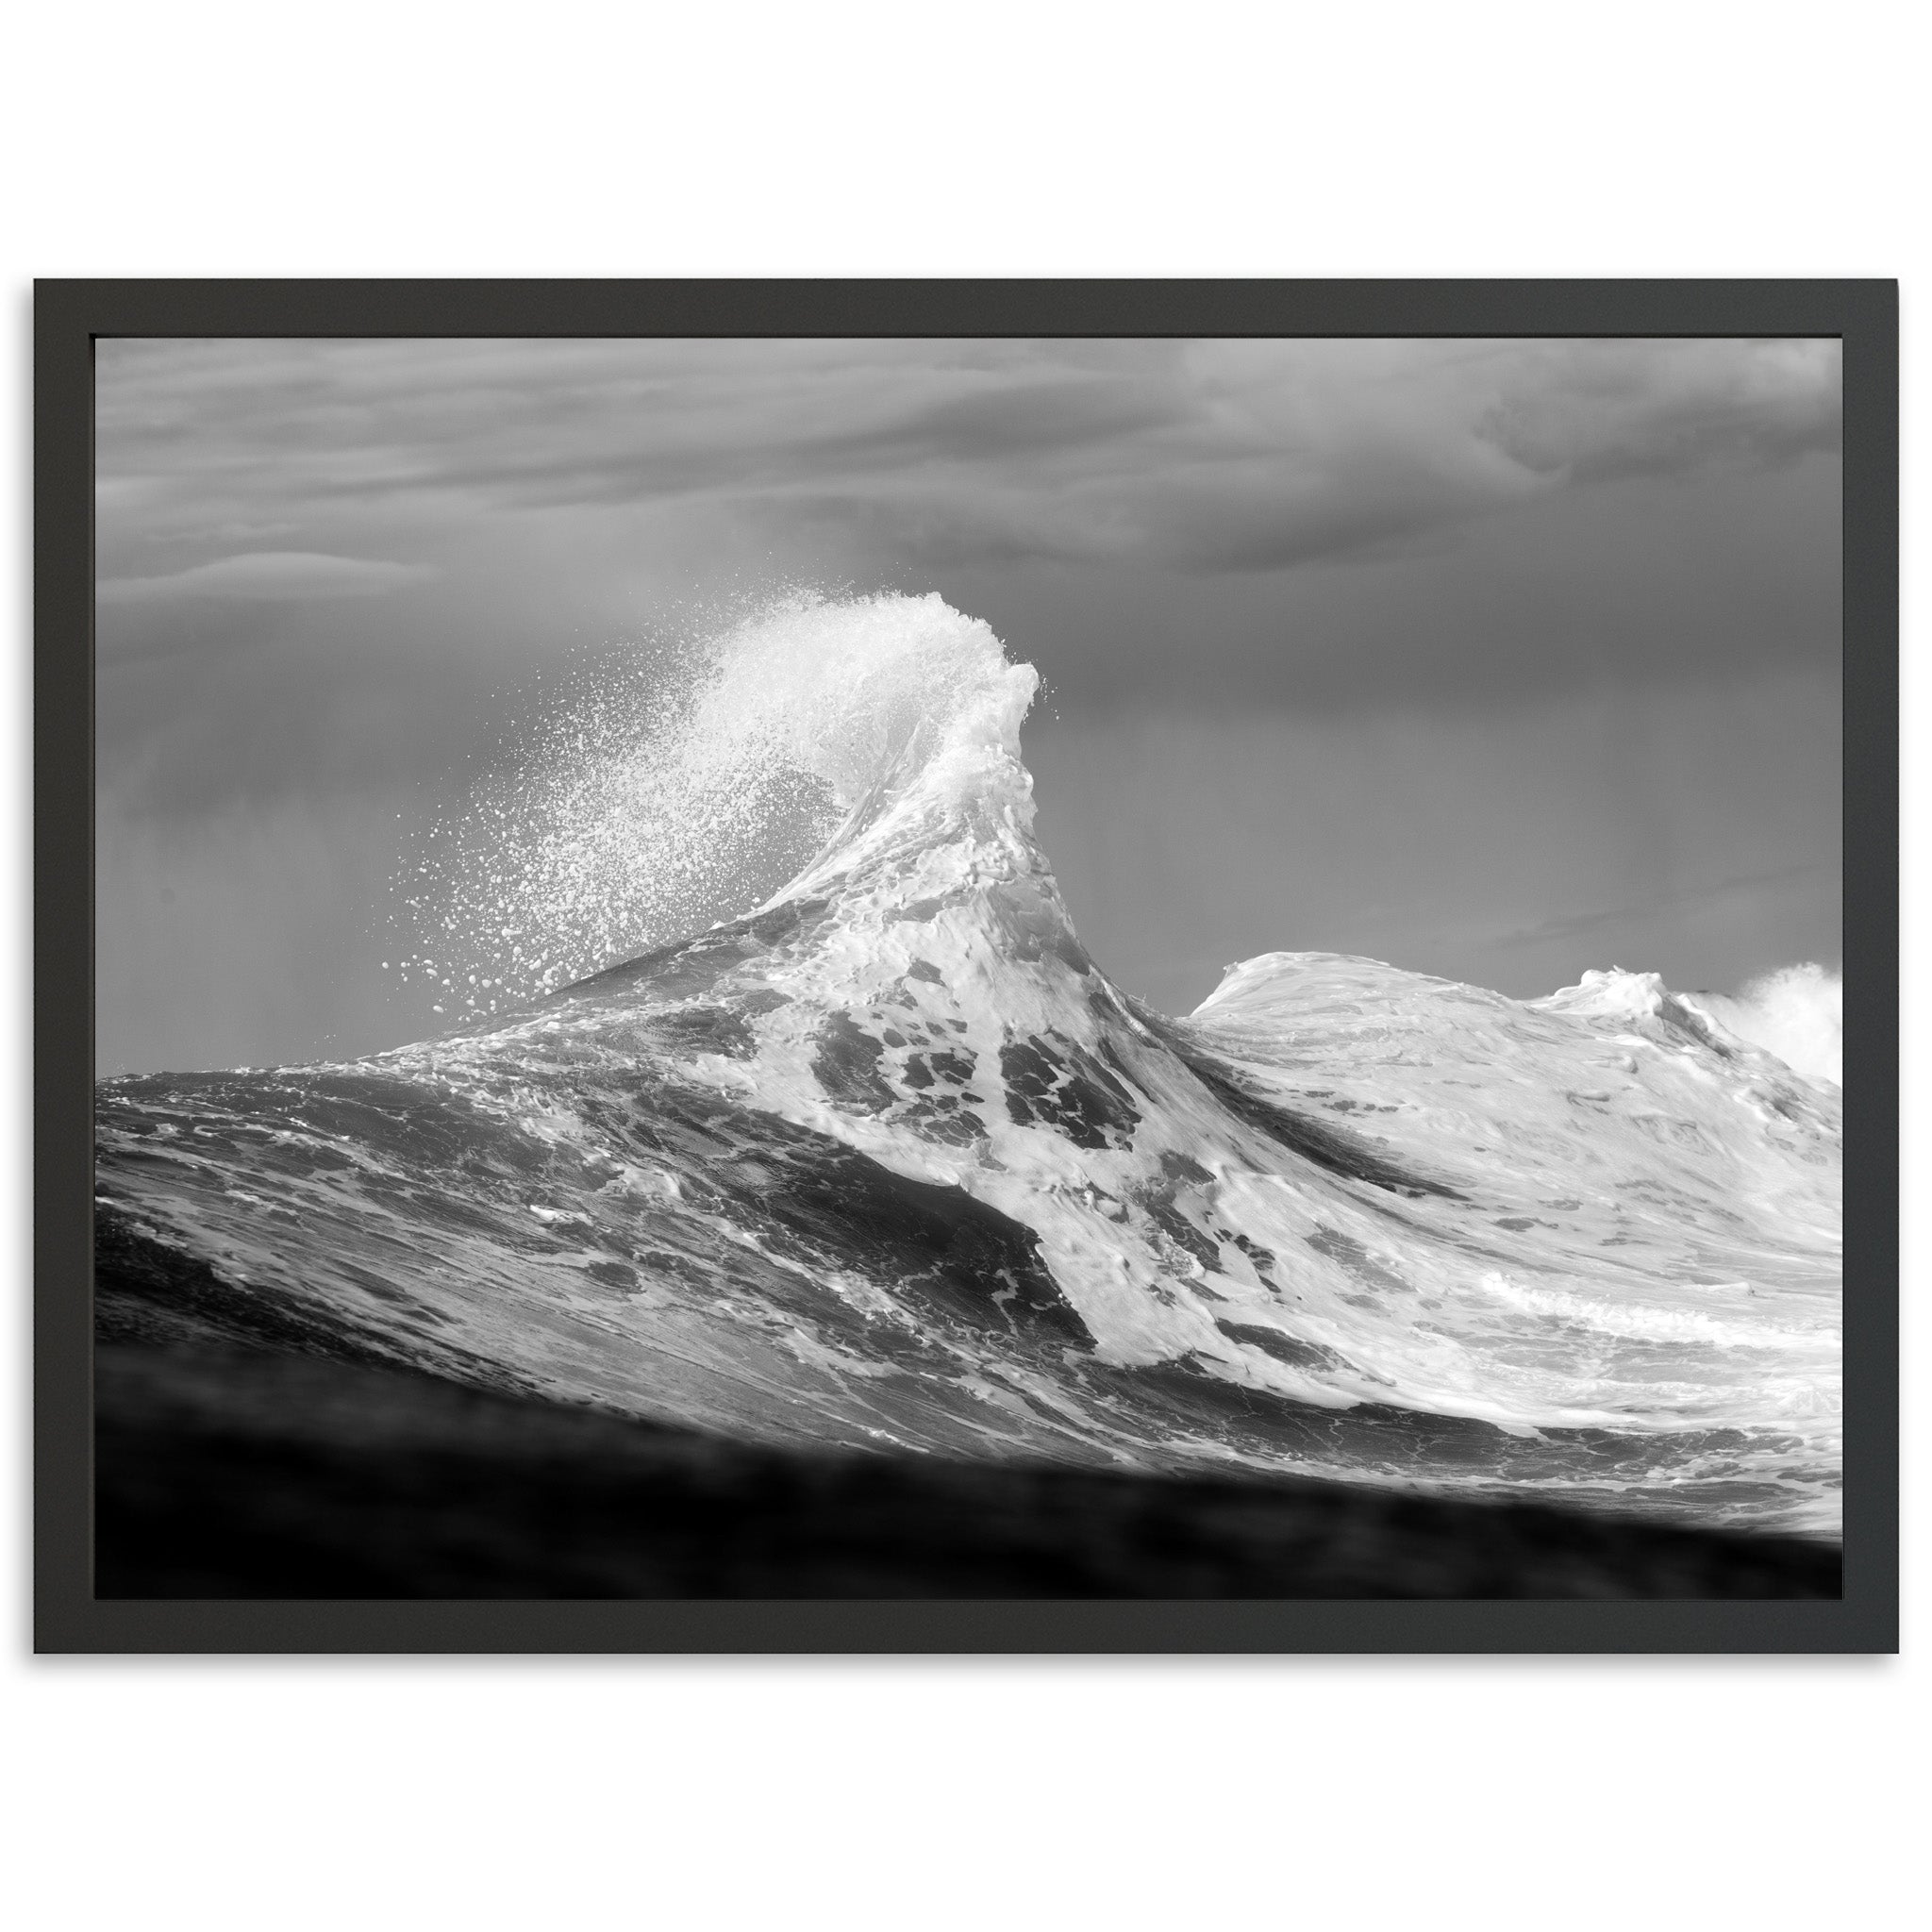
(1495, 659)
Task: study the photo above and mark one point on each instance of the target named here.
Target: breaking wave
(1796, 1013)
(671, 785)
(886, 1159)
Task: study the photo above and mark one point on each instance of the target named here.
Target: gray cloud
(1205, 456)
(1359, 523)
(1597, 410)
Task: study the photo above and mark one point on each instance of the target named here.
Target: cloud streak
(1579, 925)
(269, 576)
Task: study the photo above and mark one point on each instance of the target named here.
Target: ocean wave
(886, 1158)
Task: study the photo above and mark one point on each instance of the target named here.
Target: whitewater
(888, 1162)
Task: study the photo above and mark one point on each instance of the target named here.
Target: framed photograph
(966, 966)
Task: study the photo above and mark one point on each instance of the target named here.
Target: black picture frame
(69, 316)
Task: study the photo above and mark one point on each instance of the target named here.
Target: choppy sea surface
(890, 1162)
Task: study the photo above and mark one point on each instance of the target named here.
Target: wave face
(890, 1161)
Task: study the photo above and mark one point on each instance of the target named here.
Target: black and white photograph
(902, 967)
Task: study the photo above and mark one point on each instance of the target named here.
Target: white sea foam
(1796, 1013)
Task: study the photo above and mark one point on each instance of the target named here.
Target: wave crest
(670, 788)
